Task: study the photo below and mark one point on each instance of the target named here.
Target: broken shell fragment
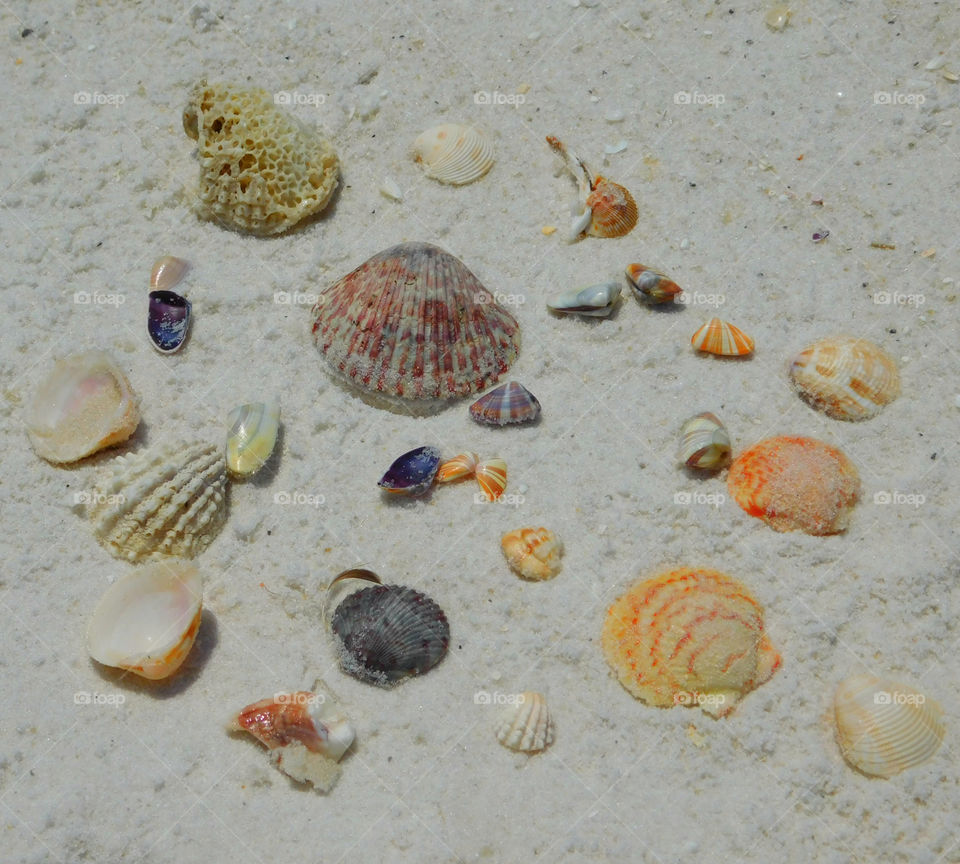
(596, 301)
(412, 473)
(453, 153)
(458, 468)
(526, 726)
(508, 403)
(650, 286)
(168, 272)
(251, 437)
(719, 337)
(533, 553)
(705, 442)
(168, 319)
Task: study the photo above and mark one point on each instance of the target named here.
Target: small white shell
(168, 272)
(705, 442)
(884, 727)
(453, 153)
(147, 621)
(251, 437)
(526, 725)
(597, 301)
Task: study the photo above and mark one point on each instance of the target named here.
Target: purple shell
(413, 472)
(509, 403)
(168, 318)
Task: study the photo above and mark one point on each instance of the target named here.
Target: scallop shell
(691, 637)
(413, 322)
(168, 272)
(453, 153)
(596, 301)
(796, 483)
(650, 286)
(491, 474)
(84, 404)
(251, 437)
(147, 621)
(846, 377)
(533, 553)
(388, 632)
(464, 465)
(719, 337)
(170, 501)
(884, 727)
(705, 442)
(168, 320)
(412, 473)
(526, 726)
(508, 403)
(612, 208)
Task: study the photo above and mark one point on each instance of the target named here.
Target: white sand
(92, 193)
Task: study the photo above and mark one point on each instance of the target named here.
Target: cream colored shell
(526, 725)
(261, 170)
(533, 553)
(453, 153)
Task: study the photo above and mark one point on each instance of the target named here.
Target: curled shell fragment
(526, 725)
(705, 442)
(453, 153)
(595, 301)
(533, 553)
(650, 286)
(251, 437)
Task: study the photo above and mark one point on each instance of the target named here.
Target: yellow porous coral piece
(261, 170)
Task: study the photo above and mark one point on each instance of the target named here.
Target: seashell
(884, 727)
(147, 621)
(168, 272)
(597, 301)
(84, 404)
(491, 474)
(719, 337)
(846, 377)
(691, 637)
(508, 403)
(412, 473)
(526, 725)
(251, 437)
(415, 323)
(170, 501)
(796, 484)
(388, 632)
(533, 553)
(453, 153)
(168, 319)
(705, 442)
(457, 468)
(650, 286)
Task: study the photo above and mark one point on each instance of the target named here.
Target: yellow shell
(453, 153)
(251, 437)
(533, 553)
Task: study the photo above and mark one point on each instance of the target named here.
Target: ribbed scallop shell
(415, 323)
(508, 403)
(796, 483)
(846, 377)
(168, 501)
(720, 337)
(705, 442)
(453, 153)
(387, 632)
(533, 553)
(526, 726)
(884, 727)
(690, 637)
(614, 212)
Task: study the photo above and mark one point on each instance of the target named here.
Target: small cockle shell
(453, 153)
(796, 483)
(168, 501)
(846, 377)
(596, 301)
(491, 474)
(464, 465)
(251, 437)
(705, 442)
(650, 286)
(533, 553)
(526, 725)
(508, 403)
(884, 727)
(147, 621)
(168, 272)
(84, 404)
(719, 337)
(412, 473)
(168, 319)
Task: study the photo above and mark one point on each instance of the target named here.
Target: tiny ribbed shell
(884, 727)
(533, 553)
(846, 377)
(705, 442)
(453, 153)
(614, 212)
(170, 500)
(526, 726)
(508, 403)
(720, 337)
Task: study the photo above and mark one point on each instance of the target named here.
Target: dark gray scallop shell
(387, 632)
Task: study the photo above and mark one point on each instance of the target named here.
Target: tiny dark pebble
(269, 533)
(25, 32)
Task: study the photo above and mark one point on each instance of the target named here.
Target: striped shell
(846, 377)
(884, 727)
(796, 484)
(691, 637)
(251, 437)
(508, 403)
(464, 465)
(719, 337)
(705, 442)
(413, 322)
(526, 725)
(453, 153)
(533, 553)
(650, 286)
(614, 212)
(491, 474)
(169, 501)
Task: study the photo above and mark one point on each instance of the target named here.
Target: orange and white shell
(526, 725)
(796, 483)
(453, 153)
(691, 637)
(491, 474)
(846, 377)
(721, 337)
(464, 465)
(884, 727)
(533, 553)
(613, 210)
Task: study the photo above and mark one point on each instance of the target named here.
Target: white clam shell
(453, 153)
(705, 442)
(526, 725)
(885, 727)
(251, 437)
(147, 621)
(597, 301)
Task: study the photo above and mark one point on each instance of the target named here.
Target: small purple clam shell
(508, 403)
(168, 318)
(413, 472)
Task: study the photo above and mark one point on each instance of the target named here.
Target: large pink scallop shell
(415, 323)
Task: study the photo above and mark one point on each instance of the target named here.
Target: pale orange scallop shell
(614, 210)
(721, 337)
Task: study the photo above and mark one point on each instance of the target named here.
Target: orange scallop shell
(719, 337)
(796, 484)
(614, 210)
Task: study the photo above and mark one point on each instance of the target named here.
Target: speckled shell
(690, 637)
(796, 483)
(168, 501)
(526, 726)
(508, 403)
(719, 337)
(413, 322)
(533, 553)
(453, 153)
(650, 286)
(884, 727)
(614, 212)
(705, 442)
(251, 436)
(412, 473)
(846, 377)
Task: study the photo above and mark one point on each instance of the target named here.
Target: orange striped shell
(457, 468)
(691, 637)
(613, 207)
(719, 337)
(491, 474)
(796, 484)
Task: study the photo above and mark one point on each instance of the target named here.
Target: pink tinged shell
(413, 322)
(492, 476)
(508, 403)
(457, 468)
(168, 272)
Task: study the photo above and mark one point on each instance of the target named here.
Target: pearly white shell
(705, 442)
(168, 272)
(597, 301)
(453, 153)
(526, 725)
(251, 437)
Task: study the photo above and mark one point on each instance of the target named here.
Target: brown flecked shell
(614, 210)
(413, 322)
